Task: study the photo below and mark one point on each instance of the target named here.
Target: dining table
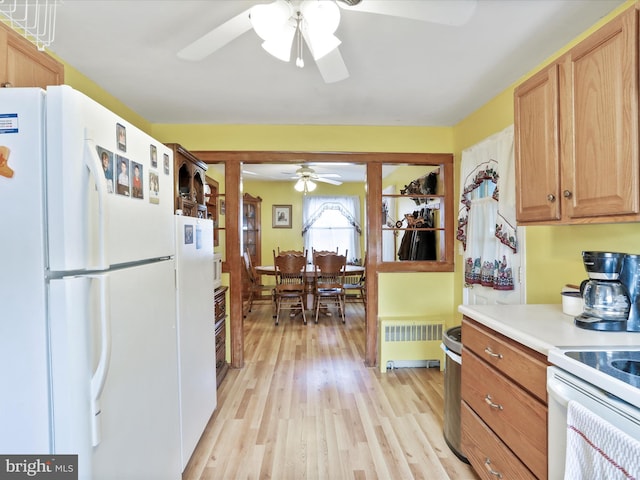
(309, 270)
(309, 276)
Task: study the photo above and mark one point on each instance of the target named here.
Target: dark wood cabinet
(220, 333)
(212, 199)
(251, 227)
(189, 182)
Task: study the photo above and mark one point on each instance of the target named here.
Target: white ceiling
(402, 72)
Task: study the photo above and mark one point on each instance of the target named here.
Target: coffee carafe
(611, 293)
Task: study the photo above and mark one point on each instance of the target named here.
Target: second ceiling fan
(306, 177)
(284, 23)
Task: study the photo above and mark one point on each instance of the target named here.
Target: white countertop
(544, 327)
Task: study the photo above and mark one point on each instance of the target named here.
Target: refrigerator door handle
(100, 375)
(92, 161)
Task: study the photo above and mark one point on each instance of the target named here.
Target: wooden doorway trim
(373, 161)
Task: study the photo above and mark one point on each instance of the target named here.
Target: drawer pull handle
(489, 352)
(489, 402)
(487, 463)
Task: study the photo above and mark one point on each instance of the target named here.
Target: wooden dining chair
(256, 288)
(357, 286)
(329, 272)
(324, 252)
(290, 284)
(305, 252)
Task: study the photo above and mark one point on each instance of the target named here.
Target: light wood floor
(305, 406)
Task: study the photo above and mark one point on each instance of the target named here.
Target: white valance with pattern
(344, 232)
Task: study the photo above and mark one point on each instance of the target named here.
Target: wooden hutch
(189, 182)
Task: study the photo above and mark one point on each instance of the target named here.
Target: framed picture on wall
(281, 216)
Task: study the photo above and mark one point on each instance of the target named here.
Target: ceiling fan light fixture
(311, 185)
(280, 44)
(269, 20)
(299, 186)
(305, 185)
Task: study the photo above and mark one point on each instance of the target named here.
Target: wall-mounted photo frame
(281, 216)
(223, 206)
(121, 137)
(153, 153)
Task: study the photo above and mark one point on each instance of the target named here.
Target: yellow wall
(308, 137)
(553, 253)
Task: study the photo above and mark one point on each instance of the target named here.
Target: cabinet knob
(6, 85)
(566, 194)
(551, 197)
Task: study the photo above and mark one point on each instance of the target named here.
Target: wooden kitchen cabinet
(220, 334)
(189, 182)
(23, 65)
(576, 132)
(537, 147)
(504, 405)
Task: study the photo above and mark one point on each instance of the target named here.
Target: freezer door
(115, 372)
(24, 404)
(197, 350)
(110, 187)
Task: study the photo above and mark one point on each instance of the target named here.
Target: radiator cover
(410, 341)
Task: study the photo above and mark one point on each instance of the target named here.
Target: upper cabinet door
(599, 118)
(22, 65)
(537, 147)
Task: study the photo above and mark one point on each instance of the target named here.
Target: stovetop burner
(620, 364)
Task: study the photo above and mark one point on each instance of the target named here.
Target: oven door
(562, 387)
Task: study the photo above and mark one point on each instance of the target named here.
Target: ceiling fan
(306, 177)
(282, 23)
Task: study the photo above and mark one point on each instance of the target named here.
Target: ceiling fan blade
(217, 38)
(449, 12)
(327, 180)
(332, 67)
(328, 175)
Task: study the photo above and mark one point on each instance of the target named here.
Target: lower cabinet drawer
(524, 366)
(490, 458)
(517, 417)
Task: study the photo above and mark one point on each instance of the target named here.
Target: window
(330, 222)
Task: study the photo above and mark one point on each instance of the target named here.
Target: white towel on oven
(598, 449)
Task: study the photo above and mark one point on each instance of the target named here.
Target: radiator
(410, 342)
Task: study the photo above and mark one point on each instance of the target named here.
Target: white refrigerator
(88, 350)
(196, 328)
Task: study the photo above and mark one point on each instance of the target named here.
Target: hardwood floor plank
(306, 406)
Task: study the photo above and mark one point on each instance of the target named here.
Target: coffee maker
(612, 292)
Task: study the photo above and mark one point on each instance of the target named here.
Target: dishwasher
(452, 346)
